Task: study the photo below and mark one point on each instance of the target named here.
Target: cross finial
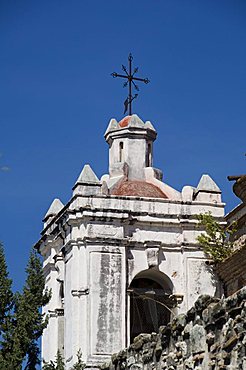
(129, 75)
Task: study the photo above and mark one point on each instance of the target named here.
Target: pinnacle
(135, 121)
(87, 176)
(207, 184)
(149, 125)
(55, 207)
(113, 125)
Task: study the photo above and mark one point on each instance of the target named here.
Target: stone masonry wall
(211, 336)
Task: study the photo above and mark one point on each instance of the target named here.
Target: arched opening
(150, 302)
(121, 146)
(149, 155)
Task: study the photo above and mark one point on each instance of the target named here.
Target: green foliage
(79, 365)
(22, 321)
(215, 241)
(6, 295)
(58, 364)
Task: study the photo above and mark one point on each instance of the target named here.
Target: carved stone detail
(152, 256)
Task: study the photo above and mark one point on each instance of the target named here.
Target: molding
(65, 212)
(49, 266)
(80, 292)
(59, 311)
(152, 256)
(56, 312)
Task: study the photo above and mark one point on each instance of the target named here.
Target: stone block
(198, 339)
(130, 361)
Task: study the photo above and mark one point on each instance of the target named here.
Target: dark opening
(61, 293)
(121, 152)
(149, 306)
(149, 156)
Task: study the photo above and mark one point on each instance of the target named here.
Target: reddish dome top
(138, 188)
(124, 122)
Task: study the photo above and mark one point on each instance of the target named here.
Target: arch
(157, 276)
(150, 302)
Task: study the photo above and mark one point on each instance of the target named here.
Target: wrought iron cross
(129, 75)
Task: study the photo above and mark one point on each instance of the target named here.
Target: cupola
(130, 145)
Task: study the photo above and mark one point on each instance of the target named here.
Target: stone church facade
(121, 257)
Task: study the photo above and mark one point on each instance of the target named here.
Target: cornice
(56, 312)
(132, 199)
(73, 217)
(129, 242)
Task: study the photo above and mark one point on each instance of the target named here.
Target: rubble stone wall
(232, 271)
(211, 336)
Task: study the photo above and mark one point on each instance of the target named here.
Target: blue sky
(57, 97)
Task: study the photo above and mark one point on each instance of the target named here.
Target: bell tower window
(150, 306)
(149, 155)
(121, 146)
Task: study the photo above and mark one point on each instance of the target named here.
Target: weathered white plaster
(99, 244)
(55, 207)
(87, 182)
(207, 190)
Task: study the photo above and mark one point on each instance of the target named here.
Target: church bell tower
(122, 257)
